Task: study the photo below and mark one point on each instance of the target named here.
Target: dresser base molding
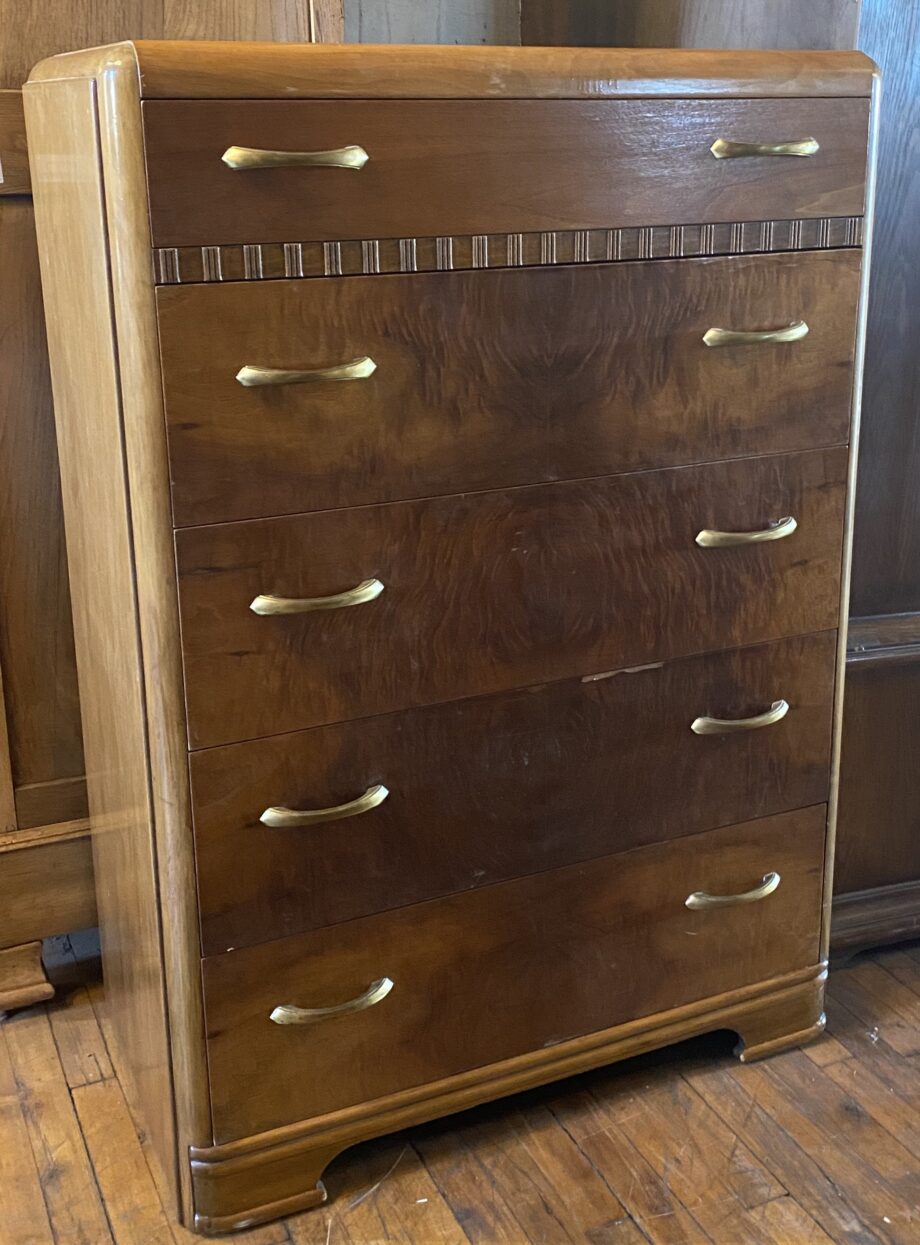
(250, 1181)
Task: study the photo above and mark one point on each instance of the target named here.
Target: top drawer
(447, 167)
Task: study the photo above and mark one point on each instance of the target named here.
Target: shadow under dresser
(457, 461)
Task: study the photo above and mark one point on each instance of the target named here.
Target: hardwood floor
(681, 1147)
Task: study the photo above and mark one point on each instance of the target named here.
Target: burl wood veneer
(459, 531)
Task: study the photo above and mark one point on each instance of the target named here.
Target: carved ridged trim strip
(272, 261)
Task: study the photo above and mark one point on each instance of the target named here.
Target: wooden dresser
(456, 447)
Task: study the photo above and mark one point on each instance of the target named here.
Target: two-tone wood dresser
(457, 458)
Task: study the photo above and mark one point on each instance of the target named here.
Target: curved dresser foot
(790, 1019)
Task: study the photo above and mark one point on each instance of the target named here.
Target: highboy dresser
(457, 459)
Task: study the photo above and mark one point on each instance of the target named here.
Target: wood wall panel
(44, 27)
(433, 21)
(683, 24)
(886, 552)
(36, 638)
(878, 833)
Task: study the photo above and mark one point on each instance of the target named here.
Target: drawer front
(491, 591)
(498, 787)
(477, 166)
(492, 379)
(478, 979)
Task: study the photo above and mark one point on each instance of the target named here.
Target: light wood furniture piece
(46, 881)
(877, 877)
(458, 514)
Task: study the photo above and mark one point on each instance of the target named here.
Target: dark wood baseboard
(874, 917)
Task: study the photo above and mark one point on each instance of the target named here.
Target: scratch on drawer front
(609, 674)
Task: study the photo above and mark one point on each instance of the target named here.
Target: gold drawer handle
(243, 158)
(288, 1014)
(725, 149)
(368, 590)
(251, 375)
(710, 539)
(281, 818)
(757, 337)
(699, 899)
(728, 726)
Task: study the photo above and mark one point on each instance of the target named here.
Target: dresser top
(213, 70)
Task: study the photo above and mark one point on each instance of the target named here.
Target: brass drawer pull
(725, 149)
(282, 818)
(728, 726)
(700, 899)
(368, 590)
(242, 158)
(757, 337)
(288, 1014)
(710, 539)
(252, 375)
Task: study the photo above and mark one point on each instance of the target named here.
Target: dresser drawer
(492, 379)
(498, 787)
(491, 591)
(512, 968)
(485, 166)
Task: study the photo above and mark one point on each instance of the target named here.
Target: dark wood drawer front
(486, 166)
(493, 379)
(499, 787)
(491, 591)
(477, 978)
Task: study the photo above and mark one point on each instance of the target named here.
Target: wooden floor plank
(882, 1003)
(380, 1193)
(826, 1050)
(464, 1176)
(647, 1197)
(81, 1047)
(784, 1221)
(690, 1148)
(132, 1201)
(823, 1191)
(69, 1184)
(25, 1217)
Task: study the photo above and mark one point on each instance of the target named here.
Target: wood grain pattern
(886, 552)
(683, 24)
(46, 882)
(438, 21)
(88, 406)
(36, 632)
(171, 70)
(611, 374)
(878, 797)
(46, 27)
(475, 167)
(517, 984)
(490, 789)
(48, 803)
(580, 578)
(14, 159)
(22, 977)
